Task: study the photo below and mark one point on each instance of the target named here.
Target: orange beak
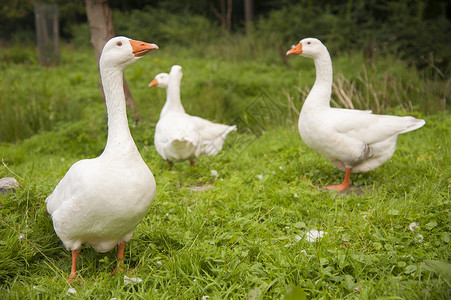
(153, 83)
(295, 50)
(141, 48)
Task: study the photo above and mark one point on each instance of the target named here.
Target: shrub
(161, 26)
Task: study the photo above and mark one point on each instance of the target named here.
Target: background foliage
(388, 56)
(414, 30)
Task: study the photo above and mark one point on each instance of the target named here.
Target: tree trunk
(100, 20)
(248, 14)
(225, 15)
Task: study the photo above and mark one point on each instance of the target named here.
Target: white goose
(179, 136)
(100, 201)
(352, 140)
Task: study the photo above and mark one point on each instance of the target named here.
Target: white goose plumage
(352, 140)
(100, 201)
(178, 135)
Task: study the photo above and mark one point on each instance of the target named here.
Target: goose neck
(324, 72)
(173, 102)
(119, 137)
(322, 88)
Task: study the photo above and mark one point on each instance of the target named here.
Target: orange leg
(192, 163)
(342, 186)
(120, 257)
(170, 164)
(73, 270)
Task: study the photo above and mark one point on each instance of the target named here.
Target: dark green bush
(407, 29)
(163, 27)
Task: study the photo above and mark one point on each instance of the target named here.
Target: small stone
(9, 185)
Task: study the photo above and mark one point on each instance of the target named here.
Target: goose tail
(412, 124)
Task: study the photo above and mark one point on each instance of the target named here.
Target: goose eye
(308, 43)
(119, 44)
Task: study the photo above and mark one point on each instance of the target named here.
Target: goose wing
(212, 134)
(370, 128)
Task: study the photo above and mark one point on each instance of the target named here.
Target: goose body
(178, 135)
(352, 140)
(100, 201)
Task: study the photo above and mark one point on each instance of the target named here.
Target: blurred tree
(248, 13)
(100, 19)
(47, 33)
(224, 15)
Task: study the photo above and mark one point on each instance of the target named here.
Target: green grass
(246, 234)
(35, 98)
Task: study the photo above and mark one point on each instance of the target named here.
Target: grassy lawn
(242, 231)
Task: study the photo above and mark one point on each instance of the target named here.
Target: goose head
(161, 80)
(122, 51)
(176, 69)
(308, 47)
(176, 74)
